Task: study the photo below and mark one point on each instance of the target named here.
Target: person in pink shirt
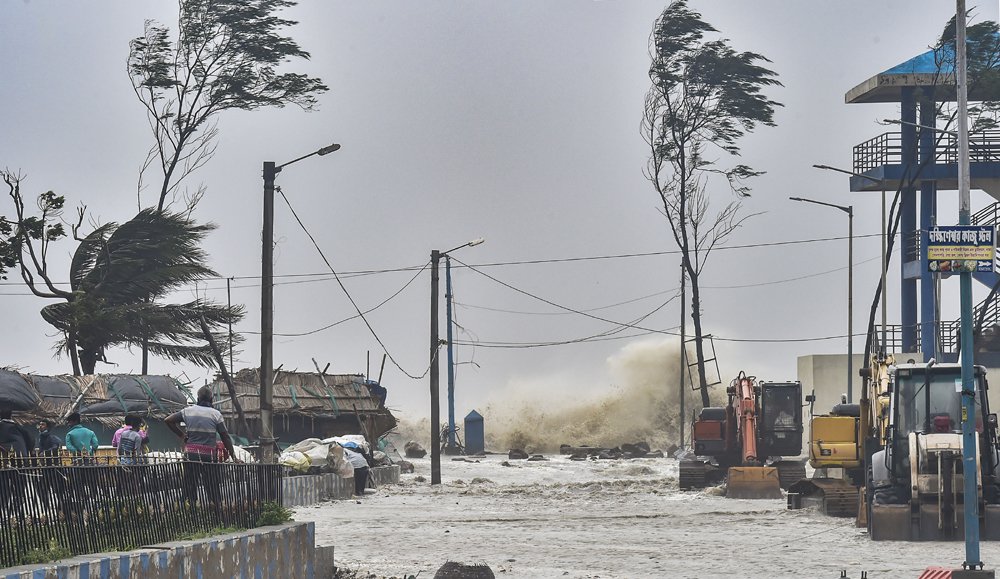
(116, 439)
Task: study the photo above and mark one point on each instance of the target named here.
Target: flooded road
(600, 519)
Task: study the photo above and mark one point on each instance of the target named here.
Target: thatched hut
(309, 405)
(102, 400)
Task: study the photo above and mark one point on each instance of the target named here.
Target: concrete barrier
(305, 490)
(268, 552)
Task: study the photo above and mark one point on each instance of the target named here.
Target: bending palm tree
(117, 276)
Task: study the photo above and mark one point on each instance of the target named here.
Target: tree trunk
(145, 355)
(74, 357)
(88, 361)
(698, 339)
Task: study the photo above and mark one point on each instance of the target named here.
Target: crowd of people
(25, 452)
(19, 446)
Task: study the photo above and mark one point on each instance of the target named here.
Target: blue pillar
(928, 210)
(451, 359)
(908, 223)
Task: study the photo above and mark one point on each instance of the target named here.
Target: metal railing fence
(94, 505)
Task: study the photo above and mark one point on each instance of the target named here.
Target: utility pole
(683, 357)
(267, 318)
(435, 386)
(271, 171)
(435, 376)
(971, 494)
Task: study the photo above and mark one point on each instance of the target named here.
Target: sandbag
(294, 460)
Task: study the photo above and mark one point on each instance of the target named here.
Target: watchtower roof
(934, 67)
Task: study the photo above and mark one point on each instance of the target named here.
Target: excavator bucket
(753, 482)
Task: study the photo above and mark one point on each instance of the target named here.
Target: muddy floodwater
(607, 519)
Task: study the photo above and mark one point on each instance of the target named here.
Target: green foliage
(117, 275)
(983, 70)
(704, 97)
(17, 233)
(703, 93)
(54, 552)
(274, 514)
(225, 57)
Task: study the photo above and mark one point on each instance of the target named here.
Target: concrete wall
(268, 552)
(826, 375)
(304, 490)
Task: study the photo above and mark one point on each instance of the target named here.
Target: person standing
(47, 450)
(130, 441)
(15, 441)
(81, 441)
(48, 444)
(203, 426)
(129, 420)
(360, 464)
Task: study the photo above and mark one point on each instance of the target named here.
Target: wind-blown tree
(119, 275)
(704, 97)
(224, 57)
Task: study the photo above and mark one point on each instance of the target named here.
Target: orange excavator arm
(745, 403)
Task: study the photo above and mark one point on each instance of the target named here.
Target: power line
(367, 272)
(649, 330)
(348, 294)
(354, 317)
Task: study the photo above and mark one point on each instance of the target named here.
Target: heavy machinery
(838, 441)
(743, 443)
(914, 483)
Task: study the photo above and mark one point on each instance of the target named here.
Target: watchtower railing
(887, 149)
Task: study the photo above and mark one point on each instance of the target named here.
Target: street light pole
(850, 289)
(267, 439)
(885, 260)
(435, 375)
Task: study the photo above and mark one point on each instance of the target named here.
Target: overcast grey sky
(516, 121)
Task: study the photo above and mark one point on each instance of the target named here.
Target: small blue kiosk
(475, 434)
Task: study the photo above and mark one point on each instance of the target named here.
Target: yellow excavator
(837, 443)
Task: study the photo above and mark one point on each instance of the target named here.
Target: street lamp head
(328, 149)
(796, 199)
(476, 241)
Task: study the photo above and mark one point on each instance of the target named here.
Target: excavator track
(693, 475)
(833, 496)
(790, 472)
(840, 501)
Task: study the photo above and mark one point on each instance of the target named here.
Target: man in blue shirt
(81, 441)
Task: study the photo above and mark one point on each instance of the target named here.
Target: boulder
(412, 449)
(517, 453)
(405, 466)
(637, 450)
(453, 570)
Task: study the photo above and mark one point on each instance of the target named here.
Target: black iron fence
(95, 505)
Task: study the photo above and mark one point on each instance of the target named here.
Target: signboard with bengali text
(961, 248)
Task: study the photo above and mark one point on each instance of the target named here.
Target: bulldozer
(839, 443)
(744, 442)
(914, 483)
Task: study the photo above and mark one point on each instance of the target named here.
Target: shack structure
(308, 405)
(102, 400)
